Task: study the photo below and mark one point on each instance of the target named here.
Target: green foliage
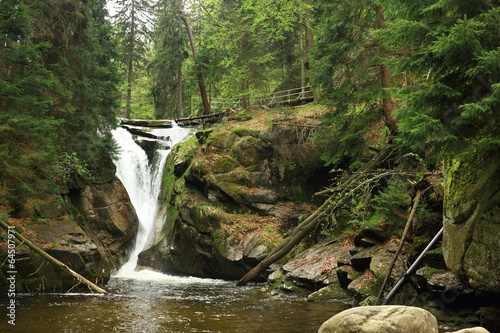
(75, 169)
(133, 21)
(27, 131)
(392, 202)
(449, 49)
(245, 48)
(346, 59)
(169, 56)
(57, 88)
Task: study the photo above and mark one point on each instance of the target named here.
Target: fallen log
(416, 201)
(145, 134)
(412, 268)
(159, 123)
(207, 117)
(348, 188)
(47, 256)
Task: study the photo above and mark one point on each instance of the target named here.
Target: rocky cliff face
(90, 231)
(472, 220)
(230, 197)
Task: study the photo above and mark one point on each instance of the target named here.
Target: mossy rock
(329, 293)
(238, 176)
(249, 151)
(222, 139)
(202, 136)
(243, 116)
(242, 132)
(225, 164)
(51, 207)
(471, 219)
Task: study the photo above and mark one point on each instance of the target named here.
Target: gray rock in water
(381, 319)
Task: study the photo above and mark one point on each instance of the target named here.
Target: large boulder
(381, 319)
(472, 220)
(91, 233)
(109, 219)
(64, 240)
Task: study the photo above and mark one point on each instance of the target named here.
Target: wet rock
(109, 220)
(381, 319)
(331, 292)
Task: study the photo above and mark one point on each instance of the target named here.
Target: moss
(242, 132)
(225, 164)
(243, 116)
(202, 136)
(427, 272)
(222, 139)
(467, 178)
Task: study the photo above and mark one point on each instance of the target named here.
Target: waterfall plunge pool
(150, 302)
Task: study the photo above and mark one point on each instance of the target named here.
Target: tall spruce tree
(28, 133)
(57, 89)
(134, 19)
(449, 52)
(169, 55)
(346, 59)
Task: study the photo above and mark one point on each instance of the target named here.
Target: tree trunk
(180, 93)
(199, 74)
(130, 71)
(47, 256)
(416, 201)
(385, 81)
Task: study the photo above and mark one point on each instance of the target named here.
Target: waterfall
(143, 183)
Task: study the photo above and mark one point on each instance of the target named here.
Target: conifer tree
(57, 89)
(27, 131)
(169, 55)
(346, 58)
(134, 19)
(449, 52)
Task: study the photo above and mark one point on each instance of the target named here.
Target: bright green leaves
(275, 18)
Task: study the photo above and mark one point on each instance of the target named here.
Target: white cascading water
(143, 184)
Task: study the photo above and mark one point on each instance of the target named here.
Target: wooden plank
(160, 123)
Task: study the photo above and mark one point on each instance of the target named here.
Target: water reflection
(152, 302)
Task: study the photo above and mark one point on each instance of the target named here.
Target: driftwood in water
(159, 123)
(47, 256)
(351, 186)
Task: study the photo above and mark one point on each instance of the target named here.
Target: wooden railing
(286, 97)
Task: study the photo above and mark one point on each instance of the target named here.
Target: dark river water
(153, 302)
